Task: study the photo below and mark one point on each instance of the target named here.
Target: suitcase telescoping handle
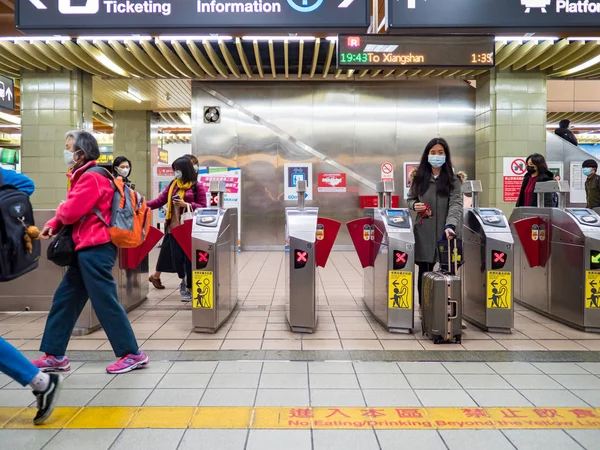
(451, 316)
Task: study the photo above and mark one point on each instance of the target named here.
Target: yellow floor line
(119, 417)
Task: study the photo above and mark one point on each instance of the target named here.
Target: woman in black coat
(537, 172)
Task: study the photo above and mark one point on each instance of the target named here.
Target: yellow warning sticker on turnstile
(592, 289)
(203, 293)
(499, 289)
(400, 290)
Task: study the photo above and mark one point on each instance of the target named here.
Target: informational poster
(163, 155)
(577, 184)
(557, 168)
(292, 173)
(232, 177)
(513, 173)
(331, 182)
(408, 168)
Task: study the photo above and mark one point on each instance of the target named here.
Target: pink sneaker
(49, 363)
(128, 363)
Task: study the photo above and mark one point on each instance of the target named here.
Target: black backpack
(15, 211)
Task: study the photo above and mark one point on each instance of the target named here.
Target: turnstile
(214, 263)
(384, 241)
(34, 291)
(301, 264)
(557, 259)
(487, 274)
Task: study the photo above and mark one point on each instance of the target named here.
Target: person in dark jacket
(537, 172)
(436, 195)
(122, 168)
(592, 183)
(564, 132)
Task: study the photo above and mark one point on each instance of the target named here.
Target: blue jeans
(15, 365)
(91, 278)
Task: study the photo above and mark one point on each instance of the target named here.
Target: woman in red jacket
(91, 275)
(182, 193)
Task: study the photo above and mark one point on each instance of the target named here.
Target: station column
(511, 122)
(52, 103)
(132, 140)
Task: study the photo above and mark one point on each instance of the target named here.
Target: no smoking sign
(387, 171)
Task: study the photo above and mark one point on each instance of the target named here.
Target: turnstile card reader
(214, 263)
(384, 241)
(487, 274)
(557, 260)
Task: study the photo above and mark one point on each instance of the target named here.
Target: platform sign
(202, 289)
(499, 289)
(179, 15)
(492, 15)
(7, 93)
(515, 169)
(592, 289)
(400, 290)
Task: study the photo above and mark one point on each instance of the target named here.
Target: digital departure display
(381, 51)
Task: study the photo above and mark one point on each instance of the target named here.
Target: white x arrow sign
(38, 4)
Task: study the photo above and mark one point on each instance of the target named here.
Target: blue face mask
(587, 171)
(436, 161)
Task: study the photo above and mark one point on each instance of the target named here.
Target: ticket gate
(214, 263)
(487, 288)
(34, 291)
(311, 239)
(384, 241)
(557, 259)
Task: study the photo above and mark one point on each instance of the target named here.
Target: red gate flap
(183, 236)
(327, 231)
(131, 258)
(360, 233)
(528, 231)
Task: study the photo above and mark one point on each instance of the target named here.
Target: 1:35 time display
(482, 58)
(354, 58)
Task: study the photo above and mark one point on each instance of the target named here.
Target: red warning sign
(332, 182)
(514, 170)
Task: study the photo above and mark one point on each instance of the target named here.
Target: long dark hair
(187, 169)
(118, 161)
(445, 183)
(538, 161)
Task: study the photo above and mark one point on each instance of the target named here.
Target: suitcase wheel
(457, 340)
(437, 341)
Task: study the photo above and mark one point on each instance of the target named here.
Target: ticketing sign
(178, 15)
(493, 15)
(383, 51)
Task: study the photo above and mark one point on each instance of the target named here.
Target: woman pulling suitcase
(436, 195)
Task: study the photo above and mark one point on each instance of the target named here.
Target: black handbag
(61, 250)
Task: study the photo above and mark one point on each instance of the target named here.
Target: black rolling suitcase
(442, 314)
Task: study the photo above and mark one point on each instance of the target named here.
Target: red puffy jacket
(87, 190)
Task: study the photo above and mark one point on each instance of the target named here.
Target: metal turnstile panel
(487, 275)
(301, 269)
(214, 267)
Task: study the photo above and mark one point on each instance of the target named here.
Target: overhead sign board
(150, 15)
(494, 15)
(415, 51)
(7, 93)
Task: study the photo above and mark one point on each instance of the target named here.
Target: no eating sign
(514, 170)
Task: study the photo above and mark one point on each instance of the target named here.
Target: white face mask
(123, 172)
(68, 157)
(178, 174)
(196, 167)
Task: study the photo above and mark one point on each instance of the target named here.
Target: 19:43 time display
(354, 58)
(481, 58)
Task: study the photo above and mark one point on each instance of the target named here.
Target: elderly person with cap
(89, 196)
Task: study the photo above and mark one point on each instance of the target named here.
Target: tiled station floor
(350, 385)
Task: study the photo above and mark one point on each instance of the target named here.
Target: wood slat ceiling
(581, 119)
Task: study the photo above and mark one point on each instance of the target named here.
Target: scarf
(181, 188)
